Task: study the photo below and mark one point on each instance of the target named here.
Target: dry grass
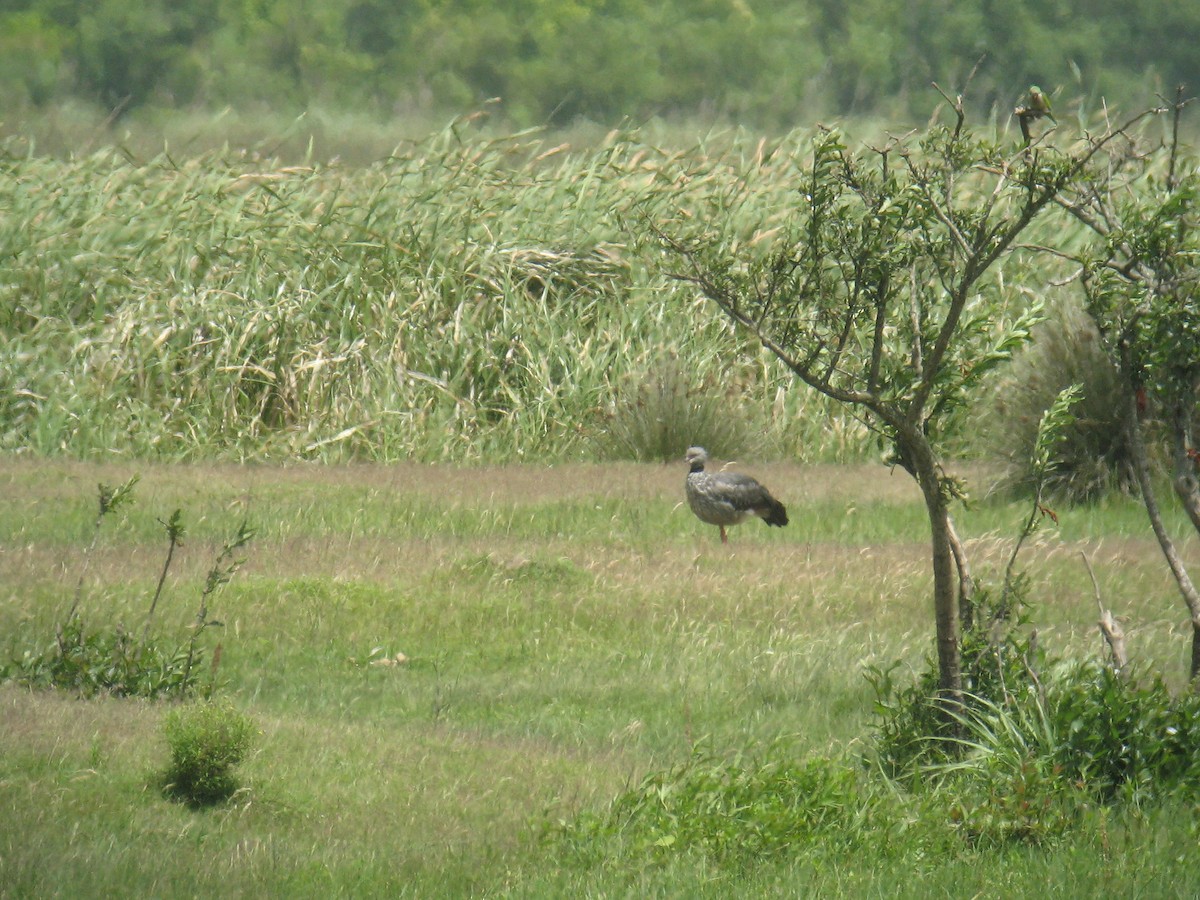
(27, 480)
(625, 524)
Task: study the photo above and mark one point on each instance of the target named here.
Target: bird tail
(776, 514)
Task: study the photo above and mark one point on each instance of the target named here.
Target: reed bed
(466, 298)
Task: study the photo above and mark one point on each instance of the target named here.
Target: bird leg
(724, 537)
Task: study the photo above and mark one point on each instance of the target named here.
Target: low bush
(1124, 737)
(1025, 768)
(207, 740)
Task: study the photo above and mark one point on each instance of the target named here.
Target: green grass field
(564, 631)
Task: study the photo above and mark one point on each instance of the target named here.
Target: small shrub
(207, 741)
(1124, 738)
(1028, 804)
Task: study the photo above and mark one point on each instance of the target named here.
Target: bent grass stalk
(223, 569)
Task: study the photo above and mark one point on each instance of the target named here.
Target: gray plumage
(728, 498)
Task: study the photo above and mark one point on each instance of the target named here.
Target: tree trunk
(1185, 454)
(915, 449)
(1195, 670)
(1141, 468)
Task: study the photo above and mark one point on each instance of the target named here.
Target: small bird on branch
(1036, 107)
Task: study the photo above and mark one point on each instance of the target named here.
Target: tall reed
(465, 298)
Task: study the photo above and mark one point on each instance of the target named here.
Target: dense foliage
(771, 62)
(102, 661)
(469, 297)
(1027, 769)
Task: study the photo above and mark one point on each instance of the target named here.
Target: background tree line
(763, 62)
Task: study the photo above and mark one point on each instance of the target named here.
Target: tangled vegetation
(463, 299)
(466, 298)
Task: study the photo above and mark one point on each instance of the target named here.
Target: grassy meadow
(447, 385)
(444, 661)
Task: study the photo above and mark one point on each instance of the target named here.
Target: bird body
(728, 498)
(1039, 104)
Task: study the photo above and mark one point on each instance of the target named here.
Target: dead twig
(1113, 633)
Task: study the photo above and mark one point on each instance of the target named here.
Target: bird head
(696, 457)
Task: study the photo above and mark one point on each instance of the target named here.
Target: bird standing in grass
(728, 498)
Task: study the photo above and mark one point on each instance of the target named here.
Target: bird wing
(741, 491)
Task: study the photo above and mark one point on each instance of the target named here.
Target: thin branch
(877, 337)
(1177, 110)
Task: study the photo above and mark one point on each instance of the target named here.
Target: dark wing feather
(741, 491)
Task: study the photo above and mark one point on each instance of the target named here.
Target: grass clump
(1092, 456)
(666, 406)
(733, 811)
(999, 655)
(207, 740)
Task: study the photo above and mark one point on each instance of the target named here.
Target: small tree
(877, 294)
(1142, 284)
